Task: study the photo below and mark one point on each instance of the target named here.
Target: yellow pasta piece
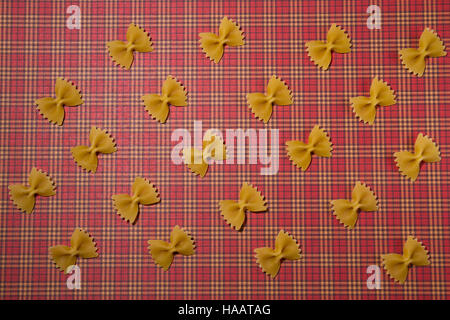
(86, 156)
(286, 248)
(81, 245)
(24, 197)
(144, 193)
(229, 34)
(381, 94)
(424, 150)
(430, 45)
(277, 93)
(250, 199)
(397, 265)
(162, 252)
(66, 94)
(137, 40)
(318, 143)
(197, 160)
(173, 93)
(320, 51)
(363, 199)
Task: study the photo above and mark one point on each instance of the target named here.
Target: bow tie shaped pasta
(286, 248)
(300, 153)
(24, 197)
(397, 265)
(363, 199)
(277, 93)
(143, 193)
(81, 245)
(229, 34)
(122, 52)
(162, 252)
(250, 199)
(381, 94)
(430, 45)
(66, 94)
(320, 51)
(197, 160)
(86, 156)
(172, 93)
(424, 150)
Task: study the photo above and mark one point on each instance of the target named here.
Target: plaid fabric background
(37, 47)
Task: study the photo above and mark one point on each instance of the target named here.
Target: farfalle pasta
(163, 252)
(66, 95)
(229, 34)
(197, 160)
(122, 53)
(144, 193)
(397, 265)
(172, 93)
(234, 212)
(381, 94)
(320, 51)
(363, 199)
(24, 196)
(86, 156)
(277, 93)
(286, 248)
(300, 153)
(81, 245)
(424, 150)
(430, 46)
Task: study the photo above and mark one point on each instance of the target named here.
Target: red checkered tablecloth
(37, 47)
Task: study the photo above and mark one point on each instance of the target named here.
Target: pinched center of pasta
(356, 204)
(130, 46)
(93, 149)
